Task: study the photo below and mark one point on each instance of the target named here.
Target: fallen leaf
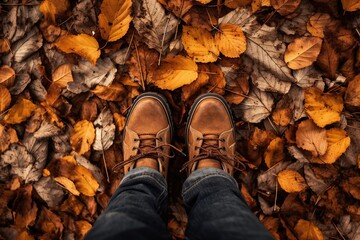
(272, 225)
(243, 17)
(196, 18)
(50, 223)
(306, 77)
(4, 45)
(8, 136)
(52, 8)
(153, 25)
(20, 111)
(85, 181)
(67, 184)
(316, 184)
(5, 98)
(311, 137)
(307, 230)
(238, 89)
(25, 208)
(119, 121)
(285, 7)
(230, 40)
(302, 52)
(192, 88)
(351, 186)
(26, 46)
(350, 5)
(177, 7)
(72, 205)
(104, 131)
(257, 106)
(283, 113)
(199, 44)
(82, 227)
(352, 94)
(24, 235)
(49, 191)
(203, 1)
(318, 23)
(275, 152)
(84, 45)
(114, 92)
(328, 59)
(82, 136)
(236, 3)
(60, 78)
(323, 108)
(338, 142)
(266, 181)
(217, 81)
(291, 181)
(7, 76)
(256, 5)
(114, 19)
(174, 72)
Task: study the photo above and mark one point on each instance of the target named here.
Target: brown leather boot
(210, 134)
(147, 134)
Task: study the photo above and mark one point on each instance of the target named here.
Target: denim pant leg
(217, 210)
(137, 210)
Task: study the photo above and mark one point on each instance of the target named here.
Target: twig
(104, 45)
(66, 20)
(276, 194)
(163, 39)
(128, 49)
(103, 157)
(140, 68)
(179, 17)
(338, 230)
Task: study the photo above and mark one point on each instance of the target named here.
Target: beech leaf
(307, 230)
(153, 24)
(174, 72)
(302, 52)
(114, 19)
(350, 5)
(5, 98)
(51, 8)
(20, 111)
(275, 152)
(84, 45)
(318, 23)
(67, 184)
(291, 181)
(199, 44)
(82, 136)
(113, 92)
(230, 40)
(285, 7)
(7, 76)
(352, 94)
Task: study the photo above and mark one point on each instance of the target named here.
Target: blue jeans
(214, 204)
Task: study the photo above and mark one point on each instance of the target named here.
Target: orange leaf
(285, 7)
(312, 138)
(51, 8)
(82, 44)
(68, 184)
(7, 76)
(318, 23)
(350, 5)
(306, 230)
(82, 136)
(291, 181)
(275, 152)
(236, 3)
(5, 98)
(20, 112)
(8, 136)
(114, 92)
(230, 40)
(61, 77)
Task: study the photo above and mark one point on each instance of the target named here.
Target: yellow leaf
(274, 152)
(7, 76)
(82, 136)
(350, 5)
(84, 45)
(5, 98)
(323, 108)
(306, 230)
(114, 92)
(114, 19)
(230, 40)
(317, 24)
(119, 121)
(236, 3)
(61, 77)
(82, 227)
(174, 72)
(352, 94)
(85, 181)
(338, 142)
(200, 44)
(312, 138)
(302, 52)
(20, 112)
(285, 7)
(204, 1)
(51, 8)
(68, 184)
(291, 181)
(257, 4)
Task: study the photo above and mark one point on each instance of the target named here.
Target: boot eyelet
(223, 139)
(196, 148)
(223, 148)
(133, 148)
(136, 139)
(160, 139)
(197, 139)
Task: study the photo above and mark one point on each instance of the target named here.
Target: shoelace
(213, 151)
(152, 150)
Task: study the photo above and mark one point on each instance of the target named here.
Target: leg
(137, 209)
(216, 208)
(214, 203)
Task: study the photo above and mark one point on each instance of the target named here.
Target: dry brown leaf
(306, 230)
(272, 225)
(82, 227)
(196, 18)
(236, 3)
(285, 7)
(352, 186)
(113, 92)
(174, 72)
(8, 136)
(275, 152)
(4, 45)
(114, 19)
(24, 235)
(312, 138)
(323, 108)
(256, 5)
(352, 94)
(230, 40)
(52, 8)
(178, 7)
(283, 113)
(84, 45)
(350, 5)
(7, 76)
(119, 121)
(5, 98)
(199, 44)
(239, 90)
(328, 59)
(318, 23)
(25, 208)
(338, 142)
(302, 52)
(217, 81)
(192, 88)
(82, 136)
(67, 184)
(291, 181)
(20, 111)
(50, 223)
